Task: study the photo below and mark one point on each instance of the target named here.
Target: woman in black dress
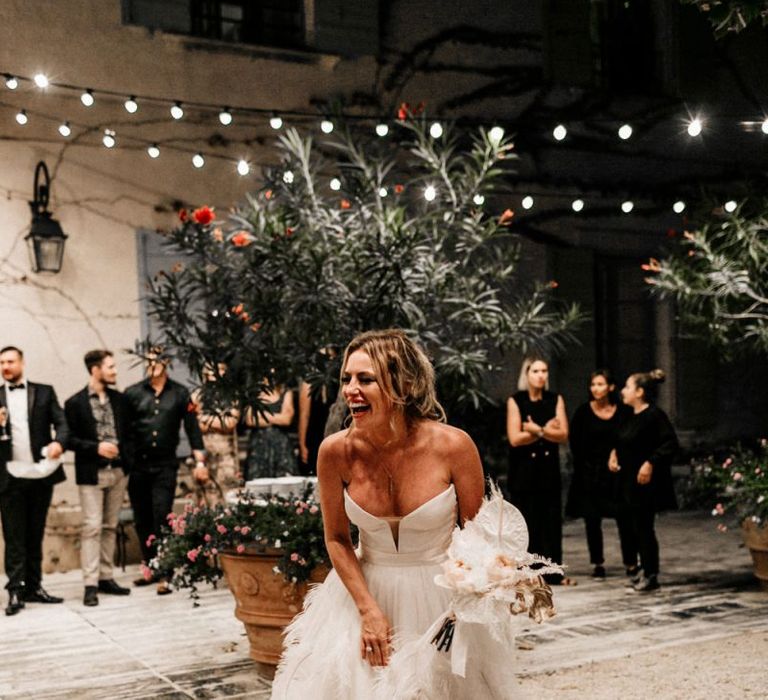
(536, 425)
(594, 491)
(646, 444)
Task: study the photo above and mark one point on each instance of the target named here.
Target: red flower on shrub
(183, 216)
(345, 204)
(506, 218)
(203, 216)
(554, 284)
(399, 189)
(255, 327)
(288, 231)
(241, 239)
(237, 309)
(268, 194)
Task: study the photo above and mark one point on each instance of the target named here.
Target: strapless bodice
(424, 534)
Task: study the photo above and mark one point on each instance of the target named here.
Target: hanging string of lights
(177, 110)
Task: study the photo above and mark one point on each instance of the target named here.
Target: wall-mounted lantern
(45, 239)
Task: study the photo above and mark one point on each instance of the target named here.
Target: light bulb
(764, 126)
(382, 192)
(276, 123)
(87, 98)
(177, 112)
(478, 199)
(495, 135)
(41, 80)
(335, 184)
(577, 205)
(11, 82)
(153, 151)
(198, 161)
(131, 106)
(678, 207)
(225, 116)
(326, 126)
(625, 132)
(22, 118)
(559, 132)
(382, 129)
(242, 167)
(436, 130)
(694, 127)
(430, 193)
(627, 206)
(288, 177)
(109, 138)
(64, 129)
(527, 202)
(730, 206)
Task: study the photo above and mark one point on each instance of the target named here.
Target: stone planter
(265, 602)
(756, 539)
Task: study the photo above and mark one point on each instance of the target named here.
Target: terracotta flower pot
(265, 601)
(756, 539)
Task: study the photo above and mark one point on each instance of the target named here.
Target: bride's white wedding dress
(322, 659)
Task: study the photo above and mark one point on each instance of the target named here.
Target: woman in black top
(594, 491)
(645, 447)
(536, 425)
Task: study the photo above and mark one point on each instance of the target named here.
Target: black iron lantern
(45, 239)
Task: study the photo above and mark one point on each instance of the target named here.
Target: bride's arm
(466, 474)
(376, 631)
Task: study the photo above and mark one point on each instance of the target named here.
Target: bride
(405, 479)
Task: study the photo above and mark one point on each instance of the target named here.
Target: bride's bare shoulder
(447, 438)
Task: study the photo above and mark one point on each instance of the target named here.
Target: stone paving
(146, 646)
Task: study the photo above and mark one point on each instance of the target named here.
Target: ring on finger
(368, 649)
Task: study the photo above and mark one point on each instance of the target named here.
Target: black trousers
(151, 490)
(542, 511)
(627, 539)
(24, 508)
(642, 519)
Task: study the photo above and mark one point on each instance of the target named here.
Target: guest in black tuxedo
(157, 407)
(32, 411)
(98, 427)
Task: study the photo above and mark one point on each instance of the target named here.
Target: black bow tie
(13, 387)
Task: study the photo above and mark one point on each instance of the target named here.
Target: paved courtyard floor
(705, 634)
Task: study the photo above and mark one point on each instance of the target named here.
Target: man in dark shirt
(98, 436)
(157, 407)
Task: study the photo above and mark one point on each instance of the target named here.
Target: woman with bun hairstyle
(536, 425)
(594, 491)
(646, 444)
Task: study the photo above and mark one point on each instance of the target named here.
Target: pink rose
(295, 556)
(150, 540)
(313, 509)
(192, 554)
(737, 476)
(240, 548)
(221, 529)
(244, 530)
(214, 551)
(299, 511)
(207, 538)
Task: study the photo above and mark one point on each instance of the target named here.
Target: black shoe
(646, 584)
(15, 603)
(635, 573)
(598, 572)
(40, 595)
(111, 586)
(91, 597)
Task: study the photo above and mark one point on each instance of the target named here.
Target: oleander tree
(355, 233)
(718, 276)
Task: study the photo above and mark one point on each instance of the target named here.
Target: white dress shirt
(18, 414)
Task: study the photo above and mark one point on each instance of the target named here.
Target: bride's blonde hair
(403, 371)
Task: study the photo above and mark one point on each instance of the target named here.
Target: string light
(335, 184)
(627, 206)
(382, 129)
(678, 207)
(21, 117)
(559, 132)
(11, 82)
(275, 122)
(730, 206)
(326, 126)
(625, 132)
(495, 135)
(764, 126)
(527, 202)
(109, 139)
(436, 130)
(153, 151)
(131, 106)
(478, 199)
(225, 116)
(577, 205)
(87, 98)
(288, 177)
(64, 129)
(242, 167)
(198, 161)
(382, 192)
(177, 111)
(41, 80)
(694, 127)
(430, 193)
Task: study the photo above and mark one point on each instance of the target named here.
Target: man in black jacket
(99, 438)
(32, 410)
(157, 407)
